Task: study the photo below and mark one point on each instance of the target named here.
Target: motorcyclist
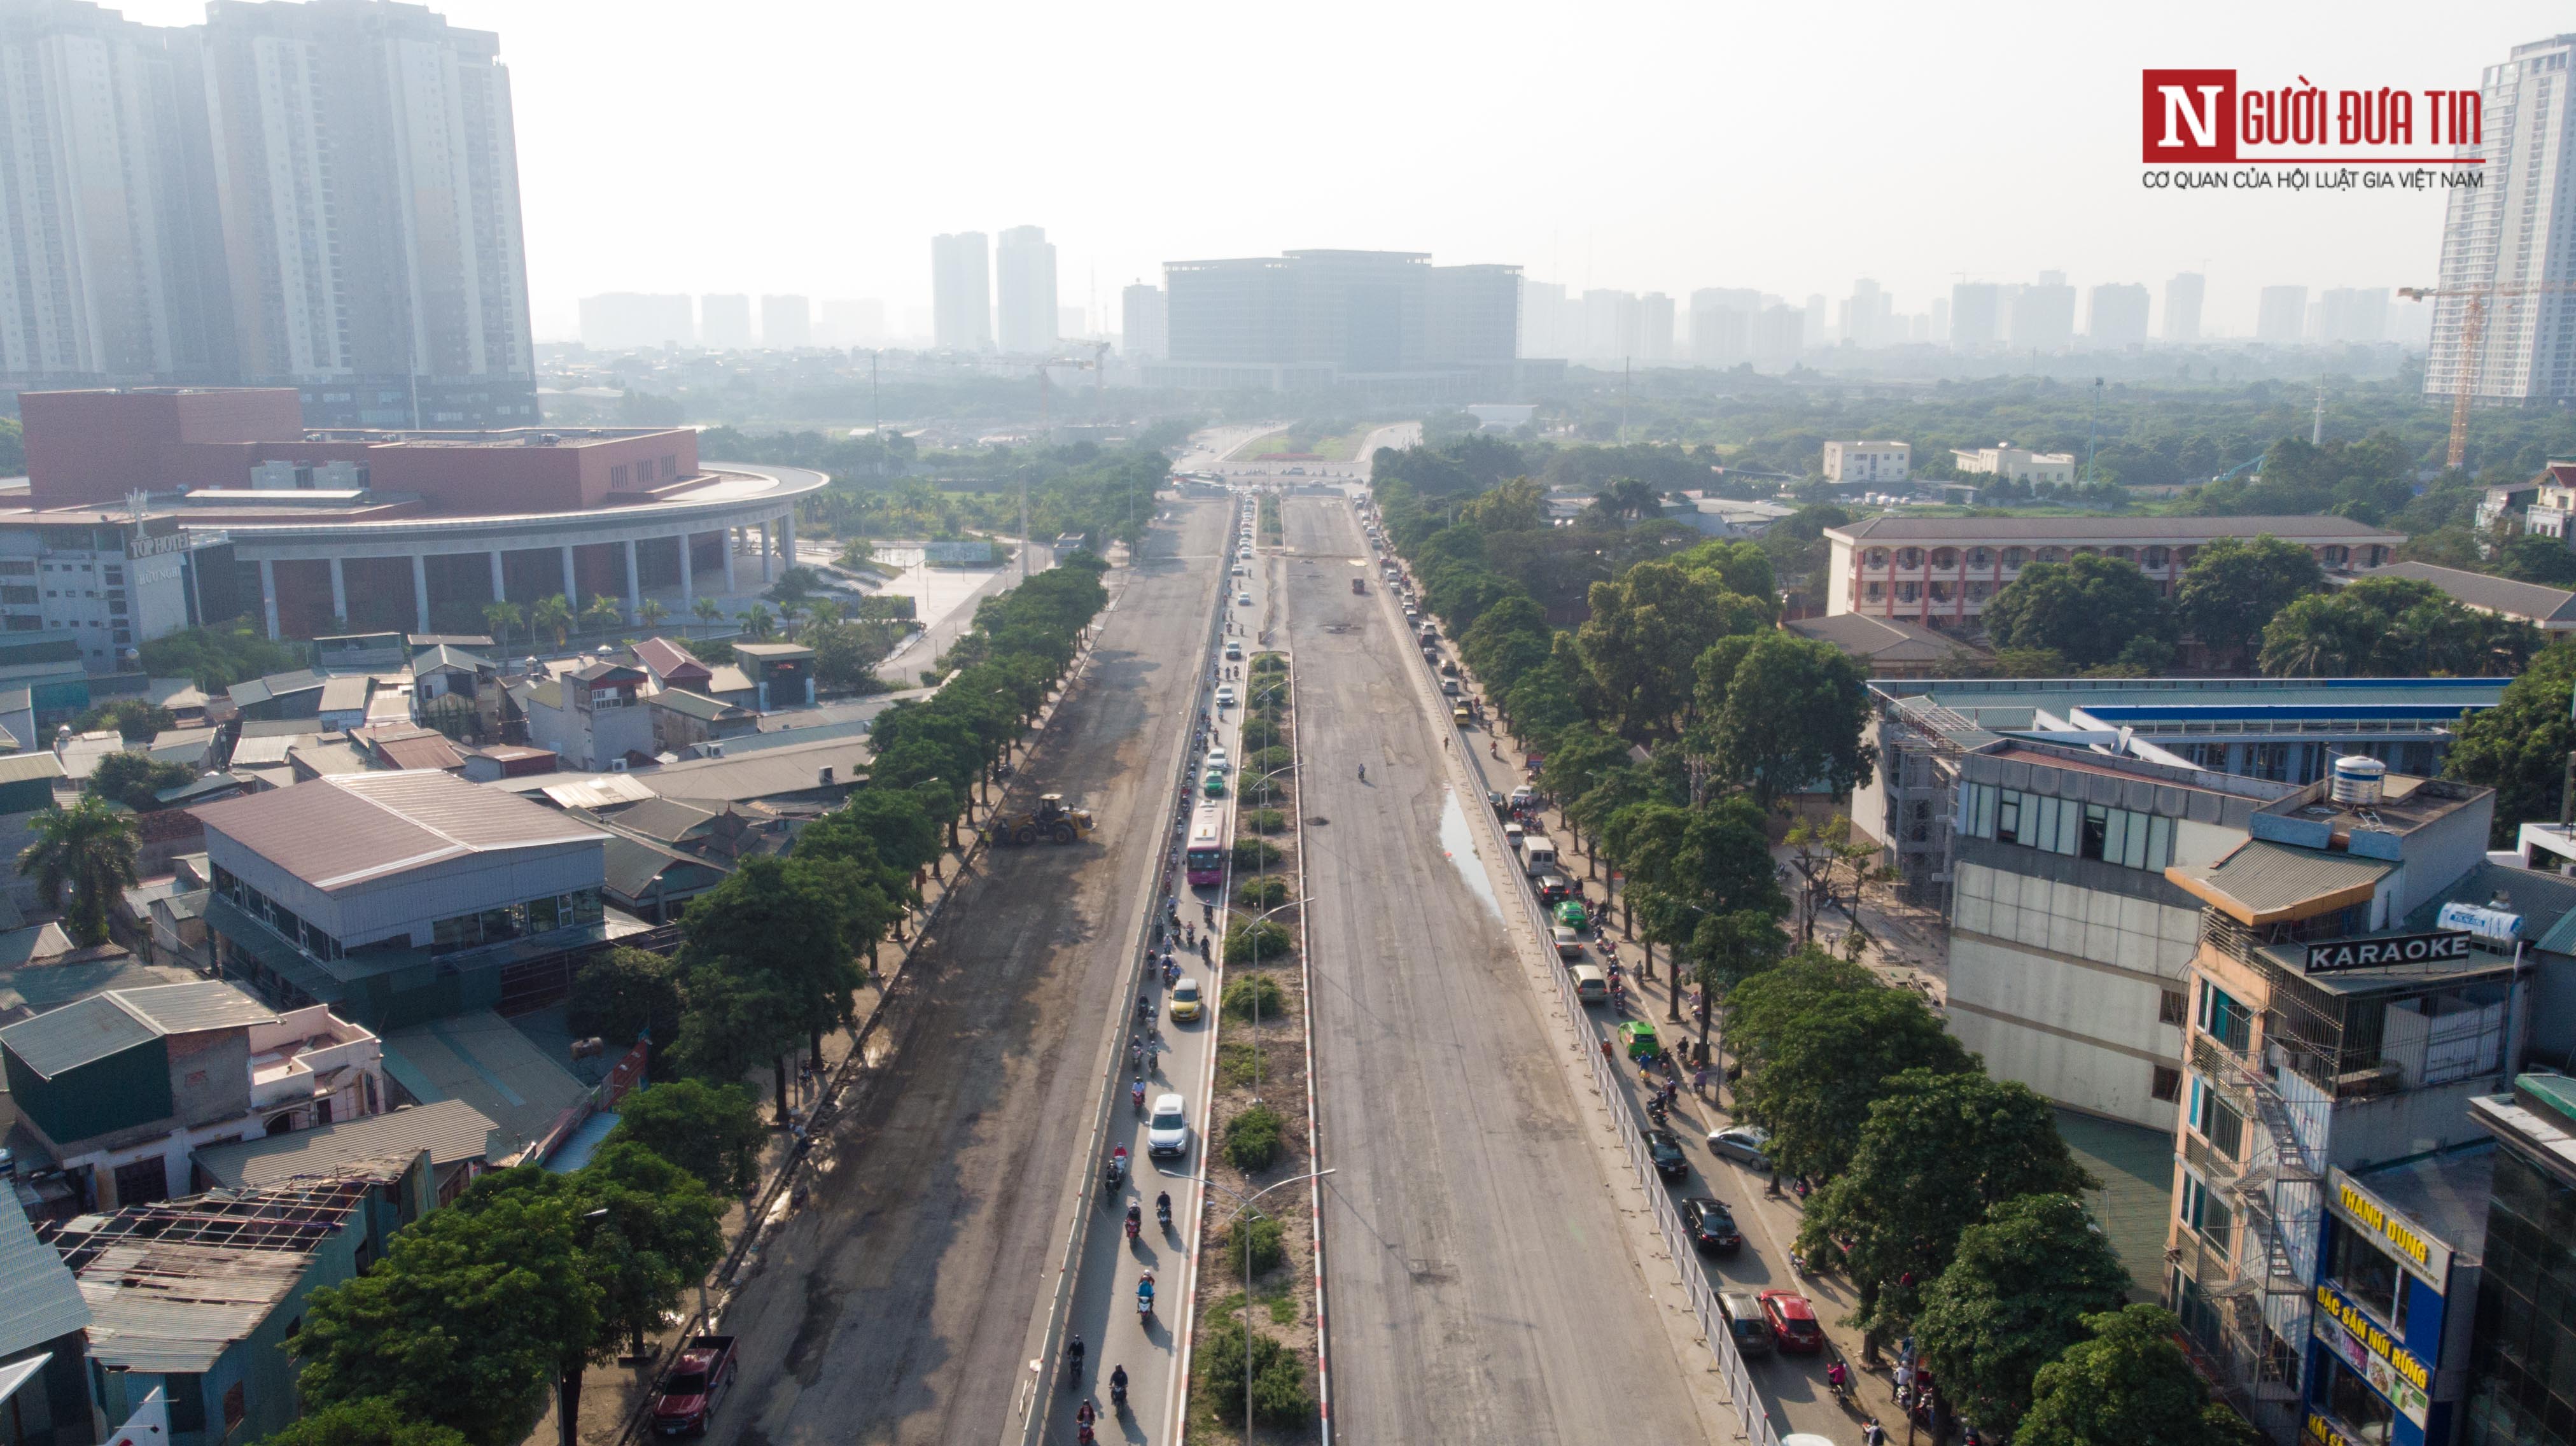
(1073, 1359)
(1136, 1094)
(1145, 1292)
(1836, 1376)
(1163, 1207)
(1118, 1385)
(1135, 1219)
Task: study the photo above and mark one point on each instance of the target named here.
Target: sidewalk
(614, 1396)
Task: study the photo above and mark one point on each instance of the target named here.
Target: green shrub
(1267, 942)
(1279, 1394)
(1234, 1064)
(1267, 663)
(1265, 791)
(1263, 891)
(1266, 820)
(1257, 764)
(1259, 1234)
(1254, 853)
(1252, 1138)
(1259, 733)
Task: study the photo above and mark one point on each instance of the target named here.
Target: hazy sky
(760, 145)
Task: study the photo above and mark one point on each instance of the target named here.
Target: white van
(1538, 856)
(1591, 986)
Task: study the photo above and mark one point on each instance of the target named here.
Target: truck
(696, 1384)
(1359, 587)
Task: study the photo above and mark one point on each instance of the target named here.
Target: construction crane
(2471, 353)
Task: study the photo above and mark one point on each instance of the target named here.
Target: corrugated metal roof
(451, 1130)
(74, 1035)
(695, 705)
(480, 1059)
(343, 693)
(662, 658)
(352, 828)
(189, 1008)
(272, 749)
(24, 766)
(188, 1304)
(665, 820)
(606, 790)
(39, 1300)
(431, 751)
(448, 656)
(2492, 594)
(2263, 881)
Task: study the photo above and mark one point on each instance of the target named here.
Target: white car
(1219, 761)
(1241, 571)
(1167, 1130)
(1243, 599)
(1225, 697)
(1233, 651)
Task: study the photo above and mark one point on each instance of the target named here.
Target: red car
(697, 1382)
(1793, 1321)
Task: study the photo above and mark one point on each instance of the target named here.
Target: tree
(652, 613)
(1727, 949)
(135, 779)
(709, 611)
(1793, 718)
(2131, 1383)
(135, 720)
(2087, 609)
(1647, 631)
(552, 615)
(463, 1324)
(2233, 587)
(604, 613)
(2519, 747)
(502, 617)
(2393, 627)
(2014, 1297)
(219, 655)
(712, 1131)
(756, 620)
(1939, 1148)
(1818, 1039)
(2537, 557)
(367, 1421)
(779, 932)
(621, 995)
(89, 849)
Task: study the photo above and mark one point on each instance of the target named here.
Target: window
(1909, 557)
(2016, 556)
(234, 1407)
(2123, 554)
(2205, 1211)
(2169, 1007)
(2052, 554)
(1878, 557)
(2165, 1084)
(2217, 1121)
(2225, 1019)
(1945, 557)
(2158, 556)
(1874, 592)
(2365, 1415)
(2370, 1276)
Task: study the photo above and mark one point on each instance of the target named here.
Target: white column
(728, 552)
(765, 551)
(572, 583)
(688, 584)
(268, 595)
(634, 585)
(339, 592)
(420, 589)
(500, 583)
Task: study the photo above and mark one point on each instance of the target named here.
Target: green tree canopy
(2519, 747)
(1939, 1148)
(1645, 635)
(1819, 1040)
(712, 1131)
(367, 1421)
(2382, 627)
(779, 932)
(132, 778)
(89, 849)
(2014, 1297)
(2088, 609)
(2234, 587)
(620, 995)
(1792, 721)
(2129, 1384)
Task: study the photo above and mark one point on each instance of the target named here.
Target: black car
(1711, 1226)
(1666, 1152)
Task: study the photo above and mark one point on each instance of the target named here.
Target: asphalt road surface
(1480, 1285)
(894, 1308)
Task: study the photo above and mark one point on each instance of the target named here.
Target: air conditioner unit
(823, 776)
(715, 749)
(617, 765)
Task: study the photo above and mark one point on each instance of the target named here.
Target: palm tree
(824, 611)
(788, 615)
(755, 620)
(90, 848)
(603, 613)
(501, 616)
(652, 613)
(552, 615)
(709, 611)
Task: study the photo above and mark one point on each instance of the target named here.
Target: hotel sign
(2337, 955)
(2423, 1257)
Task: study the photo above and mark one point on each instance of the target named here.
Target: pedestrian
(1699, 1081)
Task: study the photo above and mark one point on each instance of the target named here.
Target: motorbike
(1136, 1096)
(1118, 1388)
(1145, 1297)
(1114, 1174)
(1073, 1364)
(1163, 1211)
(1655, 1110)
(1144, 1006)
(1135, 1223)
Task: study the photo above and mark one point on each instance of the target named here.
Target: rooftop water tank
(2358, 780)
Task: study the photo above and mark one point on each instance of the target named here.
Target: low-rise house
(1888, 647)
(682, 719)
(594, 717)
(403, 897)
(188, 747)
(457, 1136)
(2550, 609)
(782, 674)
(197, 1297)
(485, 1061)
(508, 760)
(672, 665)
(457, 691)
(296, 694)
(121, 1088)
(408, 745)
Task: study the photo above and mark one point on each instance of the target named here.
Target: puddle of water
(1460, 846)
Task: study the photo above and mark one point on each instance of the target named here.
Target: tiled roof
(2502, 595)
(1884, 640)
(2135, 530)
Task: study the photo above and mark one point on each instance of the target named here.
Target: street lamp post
(1244, 1202)
(1261, 870)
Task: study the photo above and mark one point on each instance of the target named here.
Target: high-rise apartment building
(2506, 243)
(850, 322)
(323, 195)
(2281, 315)
(1869, 317)
(724, 322)
(368, 182)
(1310, 318)
(624, 320)
(1654, 329)
(2182, 306)
(1721, 325)
(1144, 321)
(2043, 315)
(1024, 276)
(1976, 315)
(1542, 320)
(785, 322)
(961, 292)
(2354, 315)
(1609, 326)
(2119, 315)
(111, 266)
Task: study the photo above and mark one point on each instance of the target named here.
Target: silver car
(1744, 1144)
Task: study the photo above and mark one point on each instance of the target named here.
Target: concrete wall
(2059, 986)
